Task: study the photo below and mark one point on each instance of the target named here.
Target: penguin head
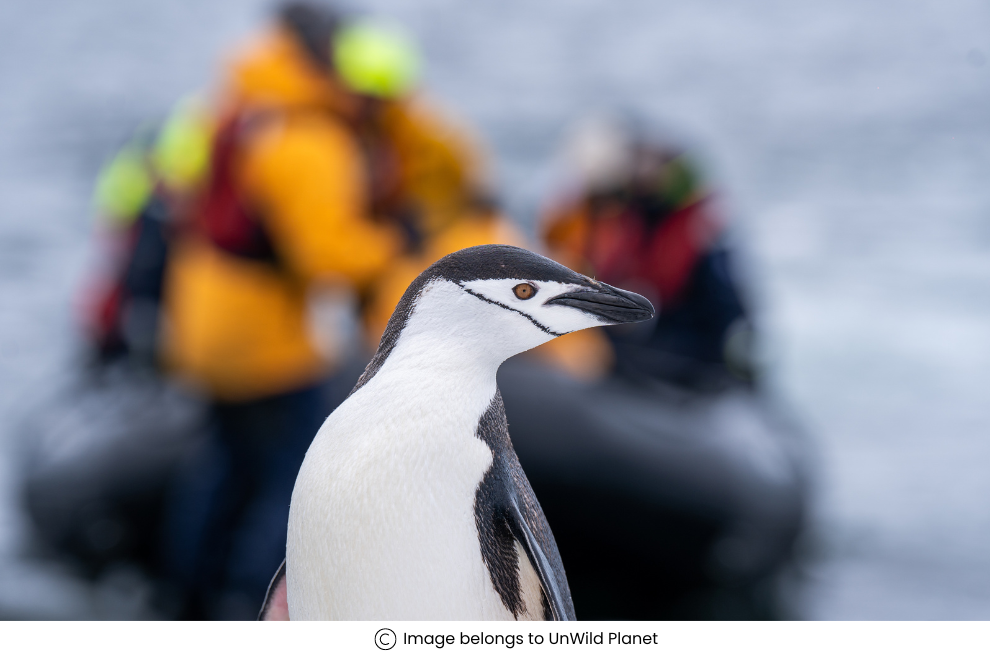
(500, 300)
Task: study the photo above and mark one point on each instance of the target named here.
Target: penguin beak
(608, 303)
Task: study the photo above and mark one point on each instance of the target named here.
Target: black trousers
(226, 517)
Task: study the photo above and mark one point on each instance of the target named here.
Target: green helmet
(124, 185)
(375, 60)
(181, 153)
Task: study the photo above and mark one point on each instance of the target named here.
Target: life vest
(623, 247)
(222, 214)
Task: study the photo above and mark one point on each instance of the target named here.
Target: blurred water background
(850, 140)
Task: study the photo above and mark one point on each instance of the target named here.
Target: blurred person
(139, 194)
(327, 172)
(639, 213)
(285, 210)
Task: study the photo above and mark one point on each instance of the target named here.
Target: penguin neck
(449, 351)
(424, 367)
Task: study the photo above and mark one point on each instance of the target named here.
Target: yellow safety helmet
(375, 60)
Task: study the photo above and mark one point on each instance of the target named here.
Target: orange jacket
(238, 328)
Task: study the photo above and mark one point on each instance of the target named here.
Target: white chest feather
(382, 522)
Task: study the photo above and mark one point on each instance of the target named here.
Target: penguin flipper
(505, 494)
(552, 592)
(276, 606)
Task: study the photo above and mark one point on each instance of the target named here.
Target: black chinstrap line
(512, 309)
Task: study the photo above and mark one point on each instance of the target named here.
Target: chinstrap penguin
(411, 503)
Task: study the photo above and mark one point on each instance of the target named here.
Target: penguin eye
(524, 291)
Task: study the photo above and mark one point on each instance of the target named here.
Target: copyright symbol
(385, 639)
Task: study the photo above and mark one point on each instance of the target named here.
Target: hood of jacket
(274, 72)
